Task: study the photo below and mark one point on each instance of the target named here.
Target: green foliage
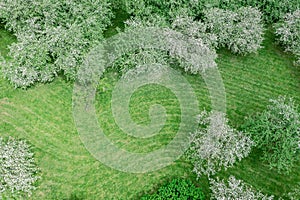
(272, 10)
(17, 169)
(295, 193)
(166, 8)
(53, 36)
(194, 29)
(288, 32)
(241, 31)
(276, 132)
(177, 189)
(166, 46)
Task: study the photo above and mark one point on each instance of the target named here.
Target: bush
(235, 189)
(288, 32)
(215, 145)
(276, 132)
(176, 189)
(17, 169)
(240, 31)
(53, 36)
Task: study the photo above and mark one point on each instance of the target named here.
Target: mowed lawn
(43, 116)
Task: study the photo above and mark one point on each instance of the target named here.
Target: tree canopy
(276, 131)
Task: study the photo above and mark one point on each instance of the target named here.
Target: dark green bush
(177, 189)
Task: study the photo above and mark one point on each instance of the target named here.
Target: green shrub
(176, 189)
(276, 132)
(288, 32)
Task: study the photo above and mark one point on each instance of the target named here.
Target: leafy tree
(177, 189)
(53, 36)
(215, 145)
(234, 189)
(241, 31)
(165, 46)
(276, 131)
(194, 29)
(166, 8)
(272, 10)
(17, 169)
(288, 32)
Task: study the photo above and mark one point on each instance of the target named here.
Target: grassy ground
(43, 116)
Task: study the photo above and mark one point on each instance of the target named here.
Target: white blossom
(17, 168)
(288, 32)
(215, 145)
(241, 31)
(234, 190)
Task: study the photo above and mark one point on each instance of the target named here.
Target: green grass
(43, 116)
